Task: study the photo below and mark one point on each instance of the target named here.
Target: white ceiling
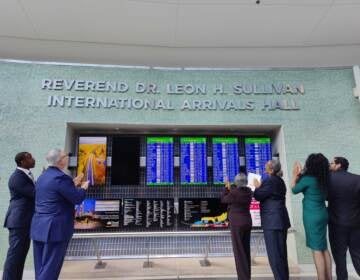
(181, 33)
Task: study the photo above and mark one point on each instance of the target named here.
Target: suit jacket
(238, 200)
(22, 201)
(56, 196)
(344, 199)
(273, 212)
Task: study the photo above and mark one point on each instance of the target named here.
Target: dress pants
(275, 242)
(341, 239)
(19, 243)
(48, 259)
(241, 246)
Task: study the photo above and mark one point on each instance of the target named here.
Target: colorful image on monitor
(94, 213)
(92, 160)
(202, 213)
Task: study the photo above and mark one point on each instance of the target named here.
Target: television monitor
(225, 159)
(95, 214)
(125, 161)
(257, 153)
(159, 161)
(92, 159)
(148, 213)
(193, 161)
(202, 213)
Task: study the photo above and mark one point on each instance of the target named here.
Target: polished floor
(174, 268)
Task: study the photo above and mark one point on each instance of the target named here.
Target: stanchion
(254, 253)
(148, 263)
(205, 261)
(99, 264)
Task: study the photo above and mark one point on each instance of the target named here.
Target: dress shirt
(27, 172)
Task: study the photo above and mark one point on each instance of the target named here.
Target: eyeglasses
(64, 156)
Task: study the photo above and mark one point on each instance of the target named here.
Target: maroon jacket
(238, 200)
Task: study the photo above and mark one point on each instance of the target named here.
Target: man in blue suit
(274, 218)
(53, 222)
(19, 215)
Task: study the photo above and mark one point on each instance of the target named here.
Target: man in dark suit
(19, 215)
(274, 218)
(53, 222)
(238, 199)
(344, 216)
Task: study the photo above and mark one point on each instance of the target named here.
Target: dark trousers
(19, 243)
(241, 246)
(48, 259)
(275, 242)
(341, 239)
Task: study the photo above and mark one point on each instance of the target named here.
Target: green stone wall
(328, 120)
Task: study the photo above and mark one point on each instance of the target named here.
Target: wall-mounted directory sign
(199, 213)
(193, 161)
(92, 159)
(225, 159)
(148, 213)
(160, 161)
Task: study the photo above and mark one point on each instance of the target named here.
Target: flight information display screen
(159, 161)
(225, 159)
(193, 165)
(257, 152)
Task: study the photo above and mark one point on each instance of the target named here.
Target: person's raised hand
(296, 168)
(256, 183)
(227, 183)
(77, 180)
(85, 185)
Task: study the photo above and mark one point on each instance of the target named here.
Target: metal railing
(159, 244)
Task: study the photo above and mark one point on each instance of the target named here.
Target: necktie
(31, 176)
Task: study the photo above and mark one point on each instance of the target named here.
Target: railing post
(99, 264)
(148, 263)
(254, 253)
(205, 261)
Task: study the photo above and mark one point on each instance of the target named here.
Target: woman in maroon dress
(238, 197)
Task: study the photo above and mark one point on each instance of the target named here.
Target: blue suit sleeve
(70, 192)
(264, 191)
(22, 186)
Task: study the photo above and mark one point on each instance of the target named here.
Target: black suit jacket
(344, 199)
(273, 212)
(22, 201)
(238, 200)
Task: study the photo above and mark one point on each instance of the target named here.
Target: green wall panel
(328, 120)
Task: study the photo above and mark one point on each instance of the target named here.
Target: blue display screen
(257, 152)
(160, 161)
(193, 166)
(225, 159)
